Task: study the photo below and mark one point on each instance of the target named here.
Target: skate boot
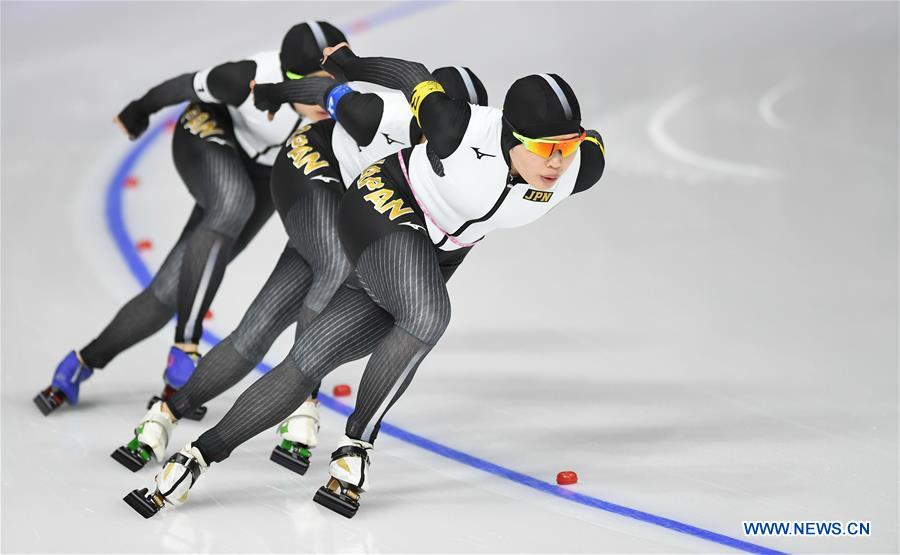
(172, 484)
(180, 367)
(151, 436)
(66, 381)
(298, 436)
(349, 471)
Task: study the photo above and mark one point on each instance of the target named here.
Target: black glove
(135, 119)
(266, 97)
(336, 62)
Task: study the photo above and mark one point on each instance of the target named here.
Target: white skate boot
(172, 484)
(298, 435)
(151, 437)
(349, 471)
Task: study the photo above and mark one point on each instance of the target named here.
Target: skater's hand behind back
(262, 98)
(329, 49)
(334, 57)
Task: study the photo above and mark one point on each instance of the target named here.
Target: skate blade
(340, 504)
(46, 403)
(138, 501)
(198, 413)
(286, 459)
(128, 459)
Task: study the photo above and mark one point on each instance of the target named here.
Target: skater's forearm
(135, 117)
(310, 90)
(392, 73)
(358, 113)
(442, 119)
(168, 93)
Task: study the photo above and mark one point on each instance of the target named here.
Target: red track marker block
(566, 478)
(144, 245)
(358, 26)
(209, 315)
(131, 182)
(341, 390)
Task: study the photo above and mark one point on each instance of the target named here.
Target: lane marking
(116, 227)
(766, 105)
(656, 128)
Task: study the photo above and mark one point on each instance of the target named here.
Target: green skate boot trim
(133, 456)
(293, 456)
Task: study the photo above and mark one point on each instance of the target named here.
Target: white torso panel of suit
(392, 135)
(260, 138)
(472, 194)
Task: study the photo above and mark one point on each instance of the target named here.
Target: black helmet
(542, 105)
(301, 49)
(461, 83)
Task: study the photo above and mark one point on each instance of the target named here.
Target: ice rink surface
(708, 336)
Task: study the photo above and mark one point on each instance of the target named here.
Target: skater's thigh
(348, 329)
(385, 236)
(377, 204)
(263, 206)
(285, 286)
(275, 307)
(307, 193)
(295, 177)
(201, 129)
(311, 225)
(213, 168)
(402, 273)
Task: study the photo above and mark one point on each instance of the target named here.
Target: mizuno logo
(480, 154)
(417, 227)
(391, 141)
(325, 178)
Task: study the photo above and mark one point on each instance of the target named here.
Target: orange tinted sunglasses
(546, 147)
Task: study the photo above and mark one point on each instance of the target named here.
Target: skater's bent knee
(427, 320)
(231, 215)
(164, 291)
(250, 346)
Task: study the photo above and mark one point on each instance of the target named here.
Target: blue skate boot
(180, 367)
(69, 375)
